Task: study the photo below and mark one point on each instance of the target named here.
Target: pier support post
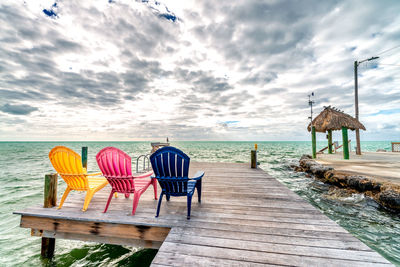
(254, 159)
(314, 143)
(48, 247)
(84, 157)
(50, 200)
(330, 141)
(345, 143)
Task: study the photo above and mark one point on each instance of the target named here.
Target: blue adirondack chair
(171, 169)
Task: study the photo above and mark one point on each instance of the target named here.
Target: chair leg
(198, 186)
(127, 195)
(108, 202)
(189, 205)
(64, 197)
(88, 198)
(154, 182)
(167, 196)
(159, 204)
(136, 197)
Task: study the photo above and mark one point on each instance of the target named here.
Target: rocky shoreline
(384, 193)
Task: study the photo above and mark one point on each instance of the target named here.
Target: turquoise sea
(24, 164)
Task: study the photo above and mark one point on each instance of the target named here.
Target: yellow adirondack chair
(68, 165)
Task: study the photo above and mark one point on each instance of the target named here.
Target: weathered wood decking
(246, 218)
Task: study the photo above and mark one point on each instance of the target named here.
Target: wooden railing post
(84, 157)
(50, 190)
(50, 200)
(254, 159)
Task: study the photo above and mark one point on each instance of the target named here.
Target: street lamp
(310, 103)
(356, 64)
(313, 137)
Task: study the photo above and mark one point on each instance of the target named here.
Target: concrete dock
(382, 166)
(246, 218)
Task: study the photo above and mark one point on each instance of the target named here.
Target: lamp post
(356, 64)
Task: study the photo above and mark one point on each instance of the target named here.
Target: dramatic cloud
(194, 70)
(17, 109)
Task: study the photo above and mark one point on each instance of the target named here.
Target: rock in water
(390, 199)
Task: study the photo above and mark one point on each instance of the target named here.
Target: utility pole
(313, 137)
(356, 64)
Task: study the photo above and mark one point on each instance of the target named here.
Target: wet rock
(298, 169)
(307, 163)
(305, 156)
(390, 198)
(367, 184)
(335, 178)
(353, 181)
(320, 170)
(311, 166)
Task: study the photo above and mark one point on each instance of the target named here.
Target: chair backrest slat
(185, 168)
(172, 164)
(179, 166)
(165, 163)
(159, 165)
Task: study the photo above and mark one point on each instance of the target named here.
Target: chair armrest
(144, 175)
(94, 174)
(198, 175)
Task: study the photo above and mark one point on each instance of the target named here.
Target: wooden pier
(246, 218)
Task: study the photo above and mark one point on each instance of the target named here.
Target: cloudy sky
(194, 70)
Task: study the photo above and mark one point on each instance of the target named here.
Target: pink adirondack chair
(116, 166)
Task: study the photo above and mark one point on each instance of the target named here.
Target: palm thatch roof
(333, 119)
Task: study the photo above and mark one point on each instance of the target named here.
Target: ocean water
(24, 164)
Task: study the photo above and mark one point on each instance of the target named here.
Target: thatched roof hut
(332, 119)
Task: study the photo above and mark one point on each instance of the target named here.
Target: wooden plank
(274, 238)
(263, 258)
(267, 247)
(171, 220)
(273, 215)
(98, 239)
(175, 203)
(178, 259)
(329, 235)
(96, 228)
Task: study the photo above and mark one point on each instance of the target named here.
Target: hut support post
(314, 143)
(50, 200)
(84, 157)
(345, 143)
(330, 141)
